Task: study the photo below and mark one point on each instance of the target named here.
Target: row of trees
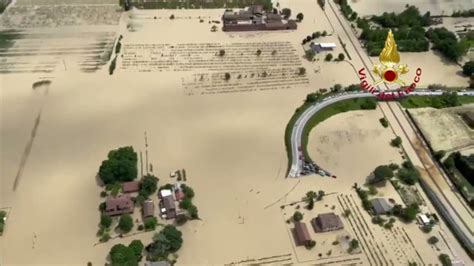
(409, 39)
(187, 203)
(410, 17)
(346, 9)
(312, 196)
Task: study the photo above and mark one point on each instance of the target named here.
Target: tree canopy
(167, 241)
(123, 255)
(125, 223)
(121, 166)
(137, 247)
(447, 43)
(468, 68)
(382, 172)
(149, 185)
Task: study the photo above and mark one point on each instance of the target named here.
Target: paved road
(297, 132)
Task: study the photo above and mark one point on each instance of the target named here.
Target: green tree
(105, 237)
(310, 245)
(393, 166)
(409, 213)
(439, 155)
(300, 17)
(311, 204)
(408, 175)
(105, 221)
(286, 12)
(310, 195)
(372, 190)
(445, 260)
(297, 216)
(468, 68)
(347, 213)
(384, 122)
(354, 244)
(121, 166)
(309, 54)
(125, 223)
(137, 247)
(321, 194)
(301, 71)
(149, 185)
(193, 212)
(185, 204)
(433, 240)
(150, 223)
(382, 173)
(341, 57)
(168, 240)
(396, 142)
(122, 255)
(188, 191)
(368, 104)
(328, 57)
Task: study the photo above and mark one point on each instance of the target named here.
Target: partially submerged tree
(121, 166)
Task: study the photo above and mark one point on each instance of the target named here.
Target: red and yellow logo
(389, 71)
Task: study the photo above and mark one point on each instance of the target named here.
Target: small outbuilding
(320, 47)
(327, 222)
(130, 187)
(148, 209)
(301, 234)
(380, 206)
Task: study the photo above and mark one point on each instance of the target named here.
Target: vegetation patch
(444, 101)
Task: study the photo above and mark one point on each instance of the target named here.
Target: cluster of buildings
(255, 19)
(325, 222)
(123, 203)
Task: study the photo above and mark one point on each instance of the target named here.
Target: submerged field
(231, 144)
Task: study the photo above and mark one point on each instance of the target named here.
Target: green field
(430, 101)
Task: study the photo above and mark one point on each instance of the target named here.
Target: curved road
(297, 131)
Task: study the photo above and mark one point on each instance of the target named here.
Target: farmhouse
(118, 205)
(168, 207)
(130, 187)
(327, 222)
(380, 206)
(302, 234)
(255, 19)
(468, 117)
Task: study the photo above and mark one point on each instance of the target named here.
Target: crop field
(26, 52)
(60, 13)
(277, 67)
